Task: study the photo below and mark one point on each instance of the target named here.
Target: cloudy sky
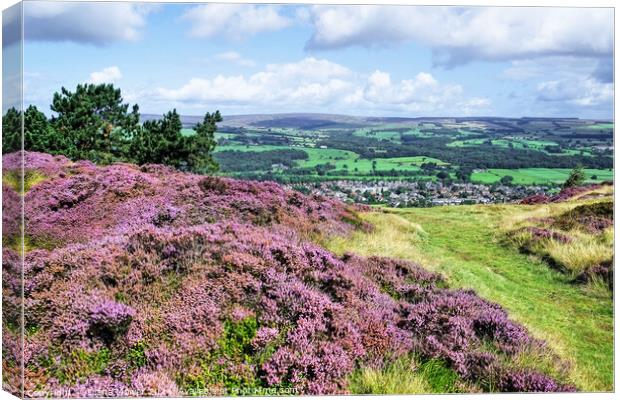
(362, 60)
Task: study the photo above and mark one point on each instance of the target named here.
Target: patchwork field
(535, 151)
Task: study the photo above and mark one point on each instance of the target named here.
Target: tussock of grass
(13, 179)
(585, 250)
(405, 376)
(577, 256)
(543, 360)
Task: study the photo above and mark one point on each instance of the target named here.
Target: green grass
(13, 179)
(365, 166)
(343, 159)
(406, 375)
(188, 132)
(538, 176)
(465, 244)
(537, 144)
(601, 126)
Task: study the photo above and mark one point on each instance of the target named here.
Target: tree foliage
(576, 178)
(506, 179)
(203, 144)
(94, 123)
(11, 131)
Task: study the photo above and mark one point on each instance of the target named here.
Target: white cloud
(585, 92)
(420, 94)
(320, 80)
(458, 35)
(558, 66)
(234, 21)
(235, 58)
(93, 23)
(107, 75)
(315, 84)
(564, 85)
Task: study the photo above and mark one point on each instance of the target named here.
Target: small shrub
(593, 218)
(136, 357)
(109, 319)
(213, 184)
(78, 364)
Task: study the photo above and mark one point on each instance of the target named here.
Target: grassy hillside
(468, 245)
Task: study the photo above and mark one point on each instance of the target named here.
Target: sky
(358, 60)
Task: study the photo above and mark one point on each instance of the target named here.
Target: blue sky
(361, 60)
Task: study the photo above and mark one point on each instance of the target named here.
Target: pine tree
(576, 178)
(11, 131)
(203, 144)
(95, 122)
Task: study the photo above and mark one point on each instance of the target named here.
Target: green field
(505, 143)
(465, 244)
(601, 126)
(538, 176)
(536, 152)
(342, 160)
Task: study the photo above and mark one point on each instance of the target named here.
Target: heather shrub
(157, 286)
(109, 319)
(593, 218)
(535, 199)
(11, 219)
(212, 183)
(154, 384)
(524, 381)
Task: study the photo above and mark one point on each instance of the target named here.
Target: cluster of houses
(419, 194)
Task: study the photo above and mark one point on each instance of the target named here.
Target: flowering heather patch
(160, 283)
(564, 195)
(593, 218)
(547, 234)
(603, 271)
(570, 192)
(535, 199)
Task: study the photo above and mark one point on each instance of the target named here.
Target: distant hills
(319, 120)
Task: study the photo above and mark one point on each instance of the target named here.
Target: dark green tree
(11, 131)
(443, 175)
(40, 135)
(506, 179)
(463, 174)
(576, 178)
(95, 122)
(161, 142)
(203, 144)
